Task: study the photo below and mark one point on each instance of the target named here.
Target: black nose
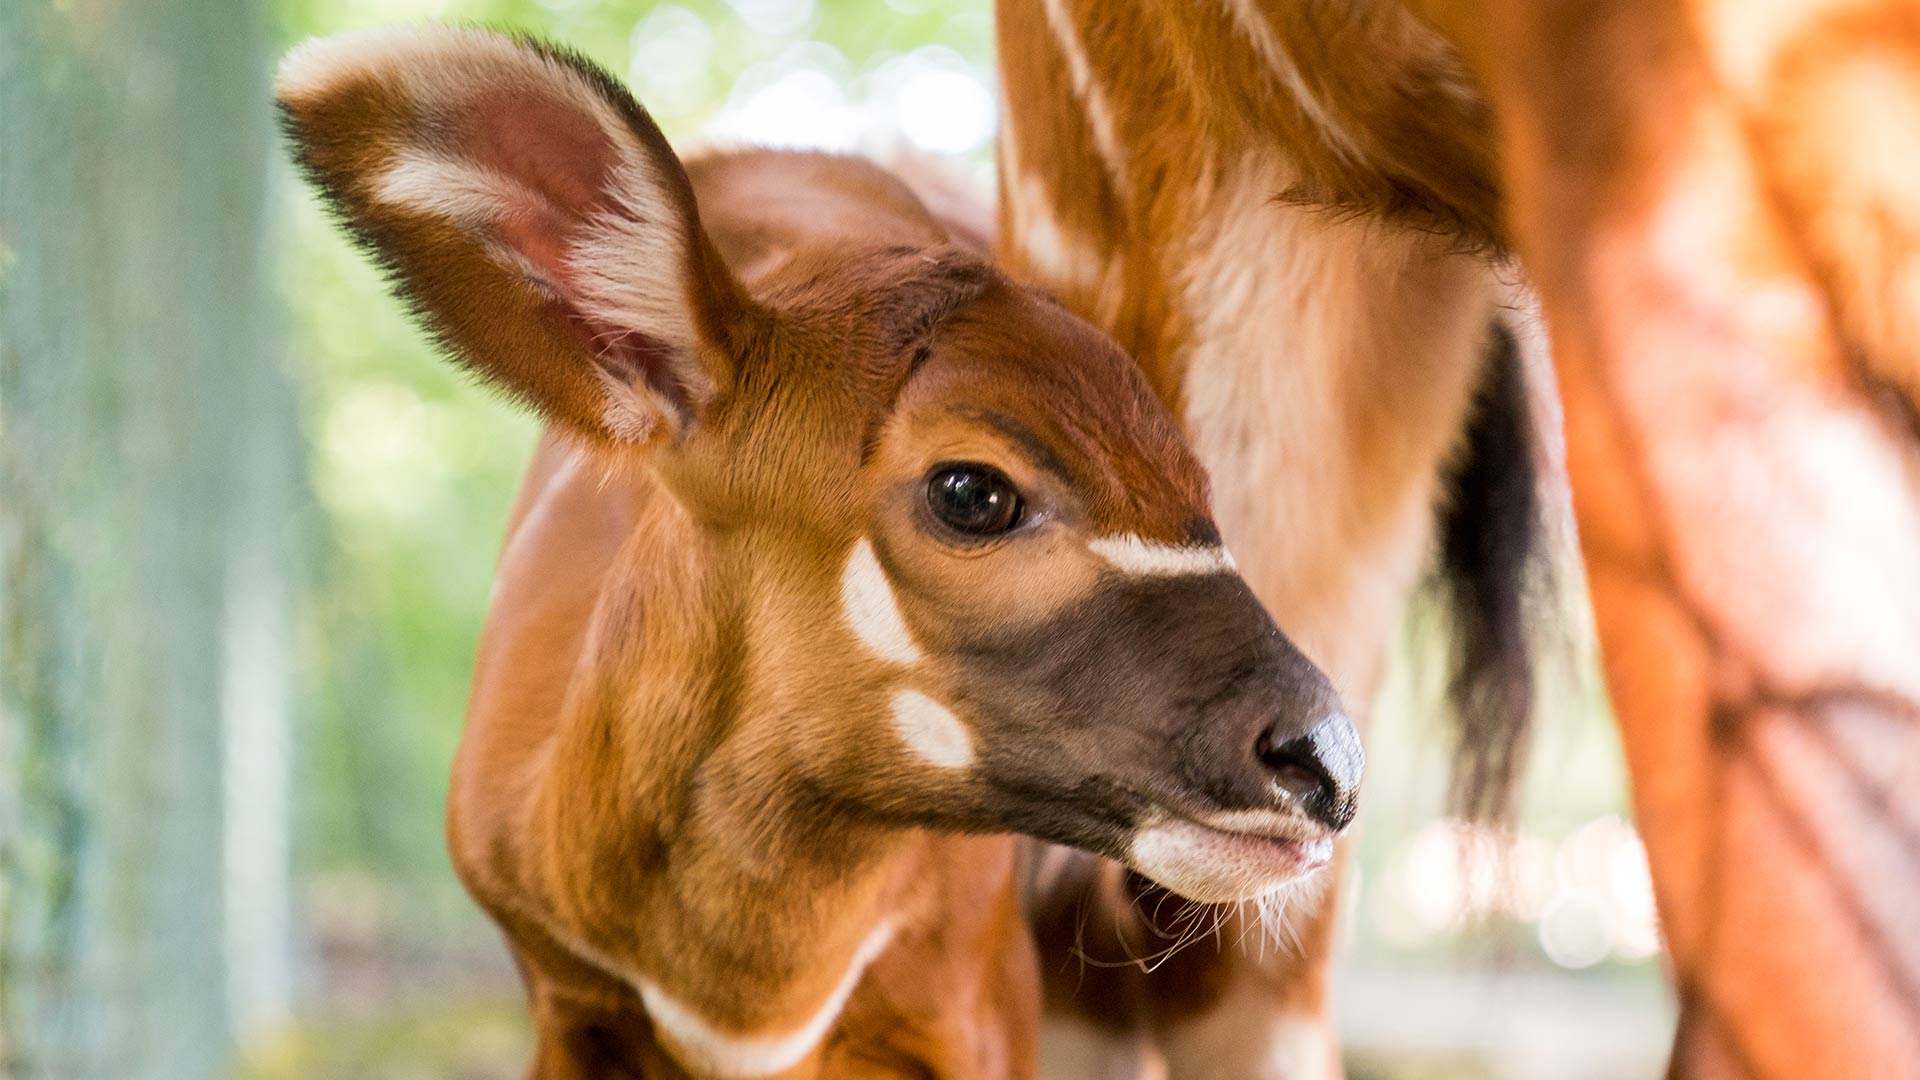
(1320, 770)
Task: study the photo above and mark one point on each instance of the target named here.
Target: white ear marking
(619, 259)
(617, 245)
(614, 263)
(1129, 554)
(464, 193)
(867, 601)
(476, 197)
(711, 1052)
(471, 196)
(931, 730)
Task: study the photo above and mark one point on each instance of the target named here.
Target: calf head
(971, 577)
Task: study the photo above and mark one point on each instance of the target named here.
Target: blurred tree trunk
(145, 471)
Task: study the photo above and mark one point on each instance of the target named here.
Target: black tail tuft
(1493, 565)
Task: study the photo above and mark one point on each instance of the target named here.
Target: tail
(1495, 574)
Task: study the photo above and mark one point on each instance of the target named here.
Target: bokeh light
(1587, 896)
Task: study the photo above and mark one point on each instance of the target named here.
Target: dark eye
(973, 499)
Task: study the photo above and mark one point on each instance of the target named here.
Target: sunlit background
(1467, 954)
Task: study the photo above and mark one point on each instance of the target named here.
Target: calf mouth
(1226, 857)
(1183, 841)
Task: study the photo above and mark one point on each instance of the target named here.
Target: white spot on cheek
(931, 730)
(706, 1051)
(867, 601)
(1143, 558)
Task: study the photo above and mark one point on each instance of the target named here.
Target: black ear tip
(604, 82)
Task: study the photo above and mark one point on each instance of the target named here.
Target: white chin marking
(867, 601)
(707, 1051)
(1209, 866)
(1143, 558)
(931, 730)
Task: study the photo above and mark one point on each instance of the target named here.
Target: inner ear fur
(530, 213)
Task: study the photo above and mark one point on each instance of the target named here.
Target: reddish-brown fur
(1719, 203)
(743, 692)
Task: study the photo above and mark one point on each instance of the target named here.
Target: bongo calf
(843, 557)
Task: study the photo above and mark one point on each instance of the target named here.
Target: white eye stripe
(1129, 554)
(867, 602)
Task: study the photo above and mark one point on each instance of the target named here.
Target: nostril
(1294, 767)
(1320, 770)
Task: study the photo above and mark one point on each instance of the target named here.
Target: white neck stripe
(1129, 554)
(705, 1050)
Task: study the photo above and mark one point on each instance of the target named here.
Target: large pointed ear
(531, 213)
